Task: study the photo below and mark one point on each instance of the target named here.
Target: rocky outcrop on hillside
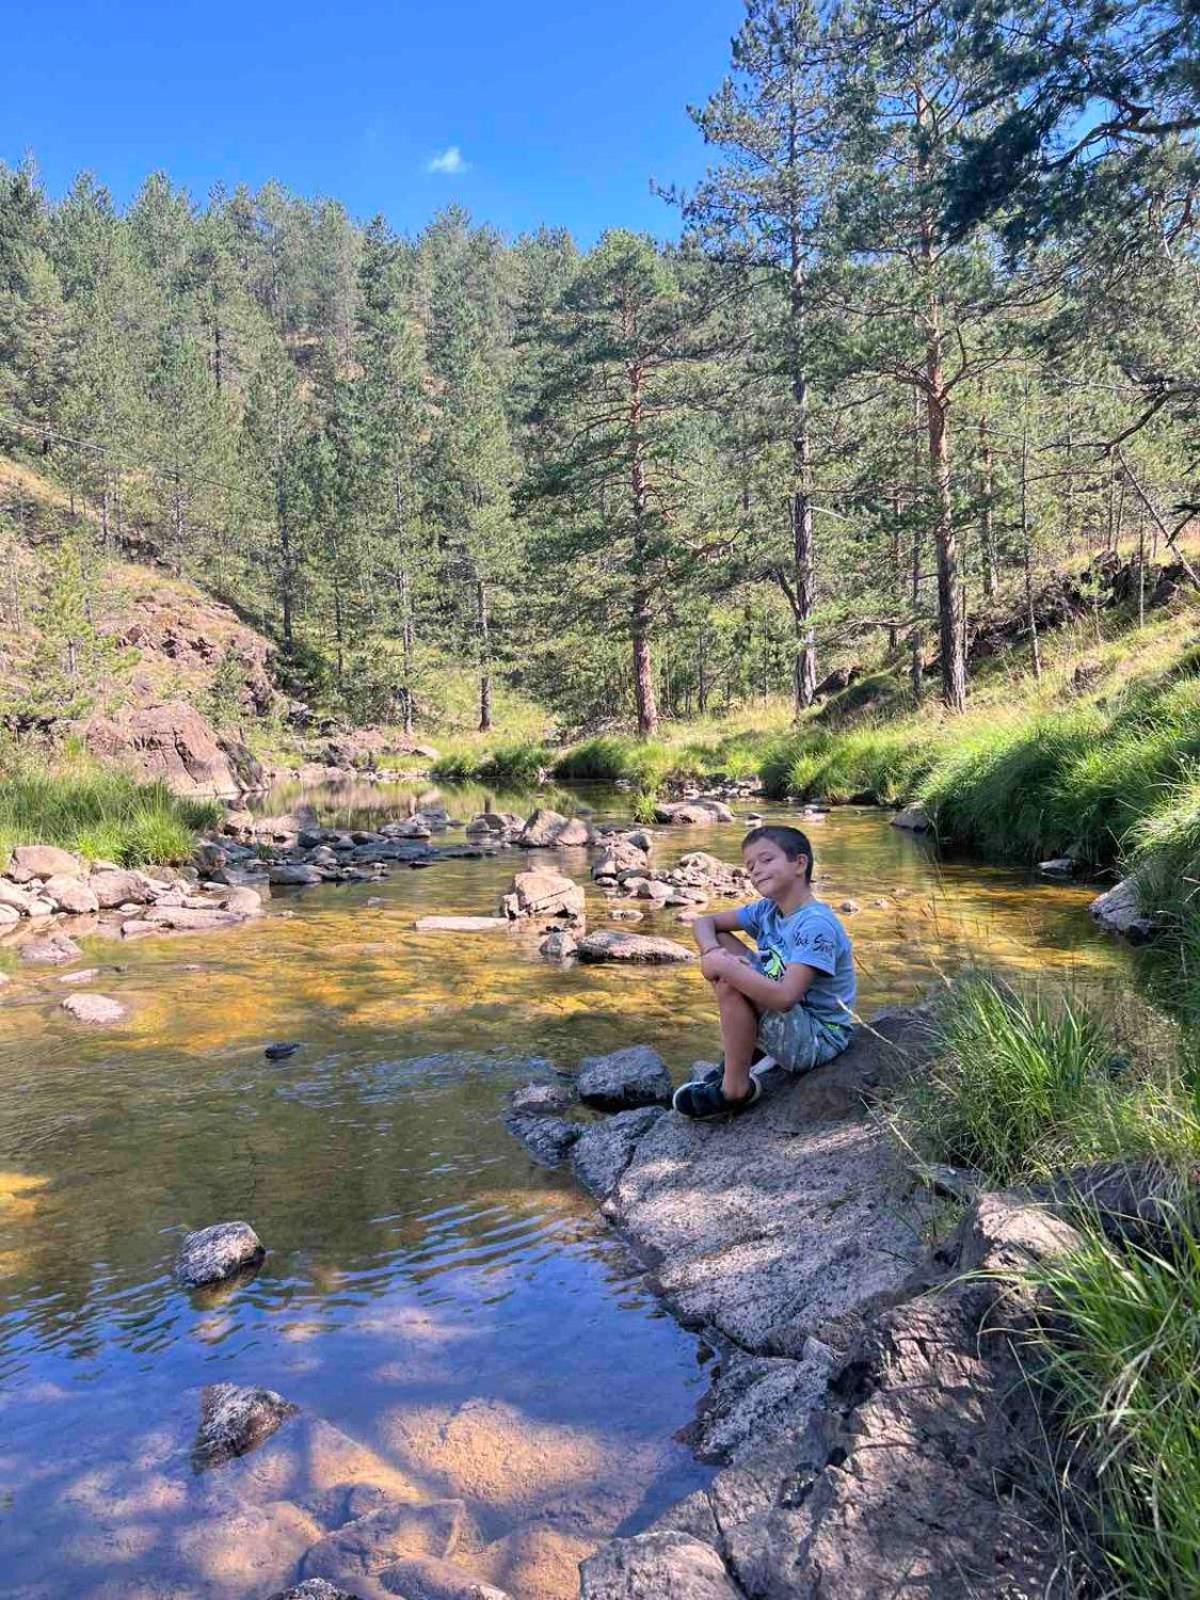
(863, 1409)
(173, 744)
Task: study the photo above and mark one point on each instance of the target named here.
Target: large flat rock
(771, 1225)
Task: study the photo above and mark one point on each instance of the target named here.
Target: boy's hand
(715, 963)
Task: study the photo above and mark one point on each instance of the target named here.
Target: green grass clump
(512, 765)
(614, 756)
(100, 814)
(1119, 1353)
(1026, 1083)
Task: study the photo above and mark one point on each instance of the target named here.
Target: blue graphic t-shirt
(814, 936)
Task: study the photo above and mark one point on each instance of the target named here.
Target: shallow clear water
(453, 1309)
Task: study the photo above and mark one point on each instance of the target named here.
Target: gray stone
(757, 1400)
(1120, 911)
(15, 898)
(9, 916)
(294, 873)
(1059, 867)
(84, 975)
(557, 946)
(235, 1420)
(44, 861)
(119, 888)
(914, 818)
(849, 907)
(693, 813)
(541, 895)
(605, 1149)
(429, 1578)
(542, 829)
(211, 1254)
(97, 1009)
(648, 949)
(625, 914)
(547, 1138)
(54, 950)
(70, 894)
(665, 1566)
(767, 1227)
(625, 1079)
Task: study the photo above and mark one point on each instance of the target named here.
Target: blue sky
(558, 113)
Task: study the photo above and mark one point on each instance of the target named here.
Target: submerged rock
(459, 924)
(542, 1098)
(624, 1080)
(612, 945)
(382, 1537)
(547, 1138)
(211, 1254)
(234, 1420)
(666, 1564)
(314, 1589)
(54, 950)
(98, 1009)
(281, 1050)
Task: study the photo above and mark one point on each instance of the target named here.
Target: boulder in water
(543, 894)
(234, 1420)
(624, 1080)
(211, 1254)
(52, 951)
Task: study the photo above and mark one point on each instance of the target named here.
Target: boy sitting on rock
(788, 1002)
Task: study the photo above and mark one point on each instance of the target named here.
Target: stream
(452, 1320)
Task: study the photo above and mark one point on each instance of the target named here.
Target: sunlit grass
(1024, 1083)
(1119, 1357)
(100, 814)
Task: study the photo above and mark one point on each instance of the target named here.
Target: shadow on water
(428, 1292)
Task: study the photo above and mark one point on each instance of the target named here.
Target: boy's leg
(739, 1035)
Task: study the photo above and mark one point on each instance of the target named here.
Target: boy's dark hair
(791, 841)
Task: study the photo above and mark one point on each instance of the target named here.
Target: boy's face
(773, 873)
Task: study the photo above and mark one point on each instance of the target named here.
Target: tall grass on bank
(100, 814)
(1119, 1354)
(507, 765)
(1024, 1083)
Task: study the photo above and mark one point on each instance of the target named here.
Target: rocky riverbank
(869, 1411)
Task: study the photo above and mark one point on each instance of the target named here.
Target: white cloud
(449, 161)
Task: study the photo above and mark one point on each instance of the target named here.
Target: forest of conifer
(926, 334)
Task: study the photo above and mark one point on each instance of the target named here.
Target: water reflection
(450, 1318)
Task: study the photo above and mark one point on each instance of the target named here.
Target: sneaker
(707, 1099)
(758, 1068)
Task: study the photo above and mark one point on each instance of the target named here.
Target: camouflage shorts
(798, 1040)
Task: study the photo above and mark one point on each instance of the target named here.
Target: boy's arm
(707, 928)
(768, 994)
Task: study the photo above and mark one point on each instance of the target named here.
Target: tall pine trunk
(641, 619)
(805, 667)
(987, 525)
(483, 621)
(951, 632)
